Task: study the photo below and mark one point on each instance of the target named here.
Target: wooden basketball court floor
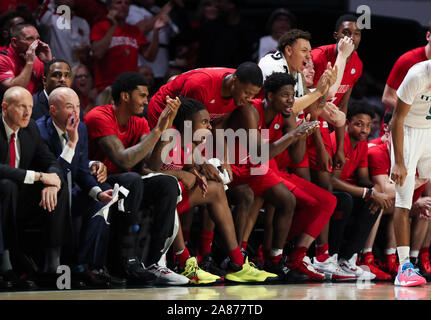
(312, 291)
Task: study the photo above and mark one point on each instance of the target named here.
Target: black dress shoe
(115, 282)
(19, 283)
(93, 279)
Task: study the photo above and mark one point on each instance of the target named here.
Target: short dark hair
(127, 82)
(188, 107)
(51, 62)
(388, 116)
(249, 72)
(289, 38)
(276, 80)
(15, 31)
(360, 107)
(343, 18)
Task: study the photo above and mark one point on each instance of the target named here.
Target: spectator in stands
(22, 65)
(144, 14)
(82, 83)
(279, 22)
(113, 40)
(69, 40)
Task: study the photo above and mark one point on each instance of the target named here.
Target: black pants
(91, 234)
(350, 225)
(159, 195)
(20, 209)
(160, 192)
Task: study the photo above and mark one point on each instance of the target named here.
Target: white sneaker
(166, 276)
(350, 266)
(330, 267)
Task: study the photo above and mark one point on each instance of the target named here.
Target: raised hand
(30, 54)
(43, 52)
(305, 128)
(72, 129)
(345, 47)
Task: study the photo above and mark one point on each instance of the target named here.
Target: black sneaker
(136, 274)
(208, 264)
(285, 274)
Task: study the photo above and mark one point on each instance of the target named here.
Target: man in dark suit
(56, 73)
(67, 138)
(31, 187)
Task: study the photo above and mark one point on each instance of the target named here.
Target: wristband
(369, 193)
(364, 193)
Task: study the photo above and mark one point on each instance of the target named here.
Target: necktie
(68, 175)
(12, 150)
(66, 137)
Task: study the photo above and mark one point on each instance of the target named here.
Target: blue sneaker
(408, 276)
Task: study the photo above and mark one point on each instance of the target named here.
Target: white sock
(414, 253)
(179, 252)
(390, 251)
(276, 252)
(365, 250)
(403, 254)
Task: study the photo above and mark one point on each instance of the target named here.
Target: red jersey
(122, 55)
(375, 142)
(379, 160)
(203, 85)
(403, 64)
(101, 121)
(352, 72)
(11, 66)
(355, 158)
(275, 132)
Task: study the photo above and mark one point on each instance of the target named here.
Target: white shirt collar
(9, 131)
(59, 131)
(44, 91)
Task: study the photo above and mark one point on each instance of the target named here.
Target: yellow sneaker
(249, 273)
(196, 275)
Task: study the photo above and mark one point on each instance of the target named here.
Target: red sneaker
(303, 265)
(390, 265)
(368, 261)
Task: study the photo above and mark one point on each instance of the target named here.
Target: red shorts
(184, 204)
(418, 193)
(259, 182)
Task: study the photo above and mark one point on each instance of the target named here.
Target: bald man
(67, 139)
(32, 189)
